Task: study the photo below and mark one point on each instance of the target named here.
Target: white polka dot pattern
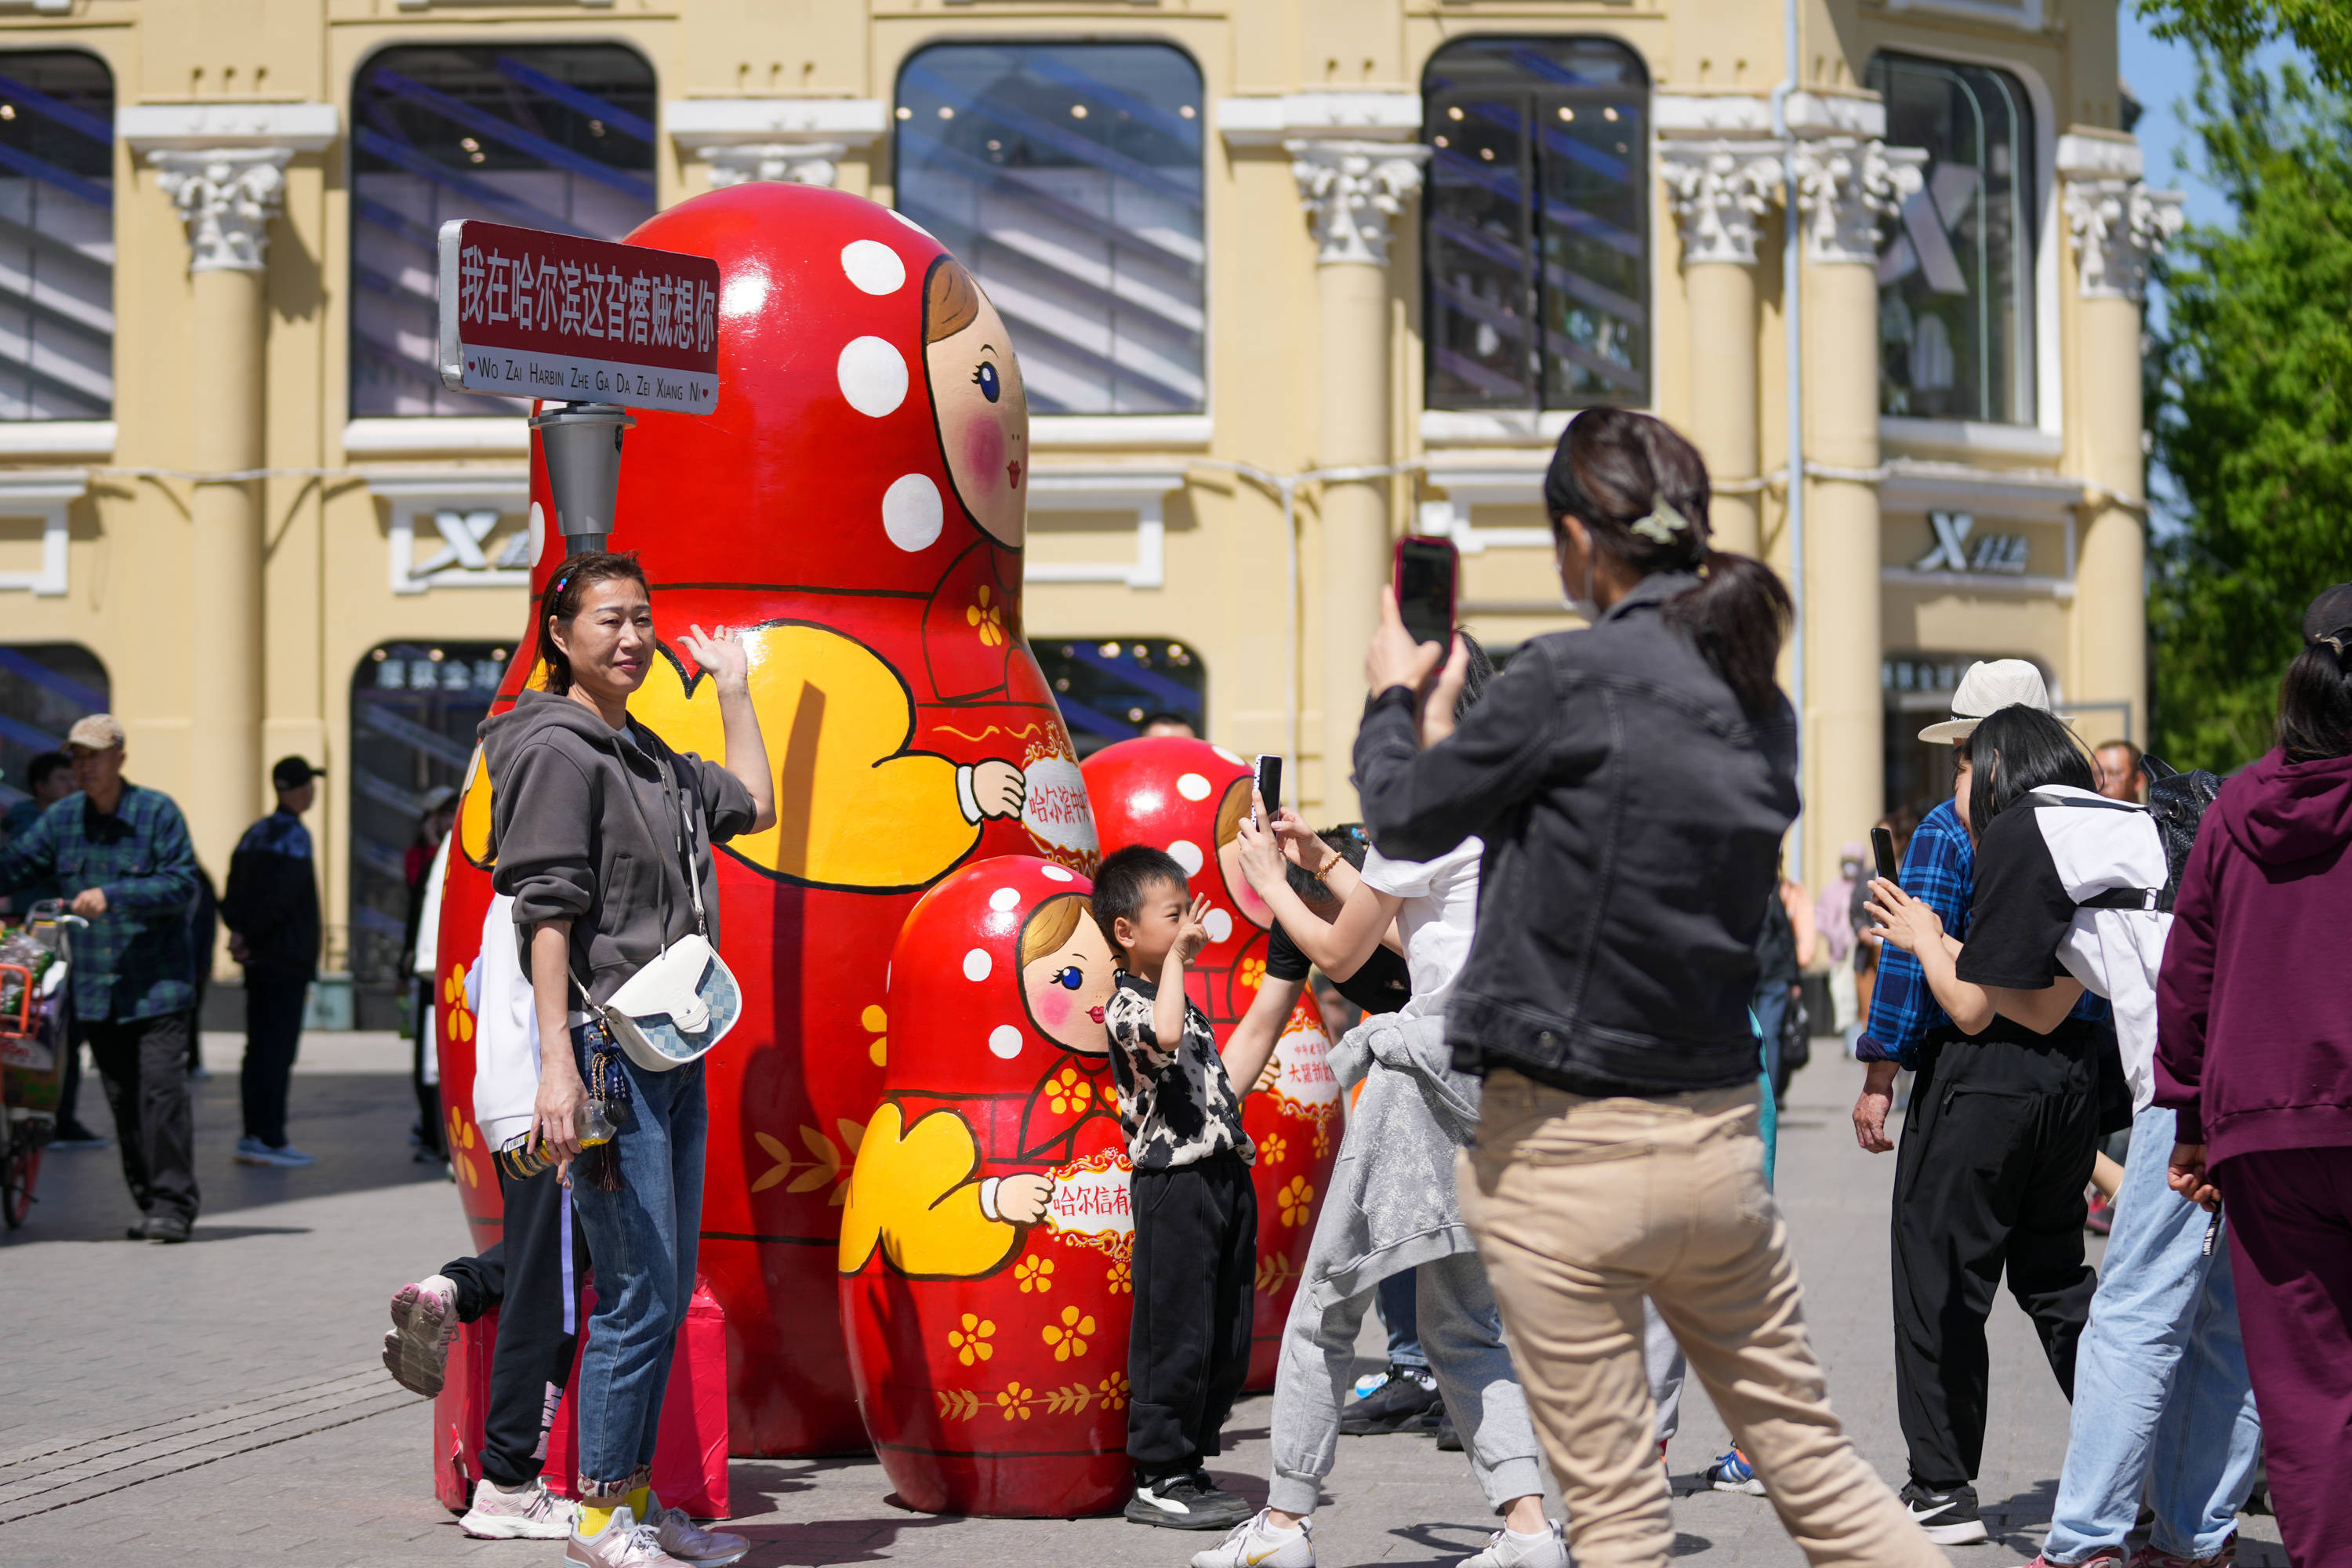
(1004, 1040)
(911, 514)
(1219, 925)
(977, 964)
(873, 266)
(1193, 787)
(1187, 854)
(873, 376)
(1004, 898)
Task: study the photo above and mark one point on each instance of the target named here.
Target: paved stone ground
(220, 1403)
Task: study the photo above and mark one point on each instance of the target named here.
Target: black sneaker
(1396, 1405)
(74, 1136)
(1449, 1438)
(1950, 1518)
(1186, 1502)
(167, 1228)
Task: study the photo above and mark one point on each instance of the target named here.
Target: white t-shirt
(1440, 912)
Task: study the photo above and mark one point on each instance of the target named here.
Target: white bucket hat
(1990, 686)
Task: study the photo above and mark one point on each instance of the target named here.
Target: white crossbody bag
(685, 999)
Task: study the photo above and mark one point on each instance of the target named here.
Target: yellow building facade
(1288, 278)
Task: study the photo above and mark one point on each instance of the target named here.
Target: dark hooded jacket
(2254, 1038)
(586, 829)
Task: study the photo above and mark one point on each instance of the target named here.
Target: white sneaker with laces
(689, 1543)
(1509, 1549)
(622, 1543)
(1251, 1545)
(526, 1513)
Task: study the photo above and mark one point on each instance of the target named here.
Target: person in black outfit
(272, 912)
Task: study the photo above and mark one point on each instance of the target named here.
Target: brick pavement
(219, 1404)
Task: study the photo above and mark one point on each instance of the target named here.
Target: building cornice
(1273, 120)
(695, 123)
(209, 127)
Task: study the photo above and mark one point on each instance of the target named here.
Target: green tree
(2321, 28)
(2252, 409)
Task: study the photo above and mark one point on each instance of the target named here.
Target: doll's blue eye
(1070, 979)
(986, 378)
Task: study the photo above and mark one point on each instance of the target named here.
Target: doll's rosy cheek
(1051, 1002)
(984, 448)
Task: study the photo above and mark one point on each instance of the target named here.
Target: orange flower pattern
(1297, 1200)
(970, 1339)
(1068, 1094)
(1067, 1337)
(986, 618)
(1034, 1274)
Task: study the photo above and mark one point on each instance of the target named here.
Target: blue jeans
(643, 1239)
(1401, 1315)
(2161, 1398)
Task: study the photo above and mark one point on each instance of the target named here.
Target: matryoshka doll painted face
(979, 402)
(986, 1245)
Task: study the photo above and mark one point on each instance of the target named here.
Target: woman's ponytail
(1736, 617)
(1641, 490)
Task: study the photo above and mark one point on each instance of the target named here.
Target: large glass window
(57, 237)
(44, 688)
(1536, 260)
(555, 136)
(1110, 688)
(1955, 275)
(1068, 177)
(414, 706)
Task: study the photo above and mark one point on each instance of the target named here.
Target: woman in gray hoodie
(596, 824)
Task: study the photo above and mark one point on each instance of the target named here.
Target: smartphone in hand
(1427, 577)
(1882, 849)
(1269, 784)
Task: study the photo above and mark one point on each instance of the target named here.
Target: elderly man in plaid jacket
(119, 854)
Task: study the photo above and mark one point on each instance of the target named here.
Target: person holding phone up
(1633, 782)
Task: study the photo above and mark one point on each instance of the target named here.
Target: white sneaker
(1250, 1544)
(622, 1543)
(1508, 1549)
(689, 1543)
(526, 1513)
(423, 1322)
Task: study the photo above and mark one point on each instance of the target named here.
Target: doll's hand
(1021, 1200)
(999, 788)
(1268, 1077)
(1193, 930)
(723, 658)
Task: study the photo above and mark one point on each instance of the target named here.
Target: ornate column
(223, 169)
(799, 139)
(2118, 224)
(1351, 191)
(1849, 183)
(1720, 190)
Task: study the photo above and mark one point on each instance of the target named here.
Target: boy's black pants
(1996, 1151)
(1196, 1257)
(531, 1275)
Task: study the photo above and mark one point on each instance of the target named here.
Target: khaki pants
(1584, 1206)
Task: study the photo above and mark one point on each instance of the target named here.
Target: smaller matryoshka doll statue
(986, 1242)
(1189, 797)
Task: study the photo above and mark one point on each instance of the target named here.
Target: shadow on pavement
(830, 1540)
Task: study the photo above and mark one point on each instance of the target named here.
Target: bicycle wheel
(20, 1173)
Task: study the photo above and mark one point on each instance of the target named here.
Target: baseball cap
(95, 733)
(1990, 686)
(2329, 619)
(293, 772)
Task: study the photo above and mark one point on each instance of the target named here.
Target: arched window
(551, 136)
(1955, 276)
(1537, 223)
(1068, 177)
(57, 237)
(1110, 688)
(414, 706)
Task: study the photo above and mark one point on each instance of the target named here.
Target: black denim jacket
(1633, 815)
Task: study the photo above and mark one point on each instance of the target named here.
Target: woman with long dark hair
(1632, 784)
(598, 827)
(2254, 1051)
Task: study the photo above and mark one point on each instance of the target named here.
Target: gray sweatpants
(1463, 1334)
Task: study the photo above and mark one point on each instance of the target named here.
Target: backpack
(2177, 802)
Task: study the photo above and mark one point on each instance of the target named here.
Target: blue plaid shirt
(1939, 870)
(133, 961)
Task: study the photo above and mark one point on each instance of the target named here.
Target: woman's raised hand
(1301, 845)
(1260, 850)
(722, 656)
(1902, 918)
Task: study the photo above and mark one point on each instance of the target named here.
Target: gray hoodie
(584, 830)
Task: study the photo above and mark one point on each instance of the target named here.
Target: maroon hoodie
(2254, 1033)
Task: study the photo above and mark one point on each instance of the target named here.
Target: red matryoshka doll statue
(1189, 797)
(854, 507)
(986, 1246)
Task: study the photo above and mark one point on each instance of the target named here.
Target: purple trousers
(2288, 1213)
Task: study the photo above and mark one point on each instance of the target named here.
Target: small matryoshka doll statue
(1189, 797)
(986, 1245)
(853, 510)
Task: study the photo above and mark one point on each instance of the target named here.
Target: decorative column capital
(792, 162)
(1352, 189)
(2119, 225)
(1847, 187)
(1720, 191)
(226, 196)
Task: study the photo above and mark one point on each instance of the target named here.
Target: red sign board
(527, 313)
